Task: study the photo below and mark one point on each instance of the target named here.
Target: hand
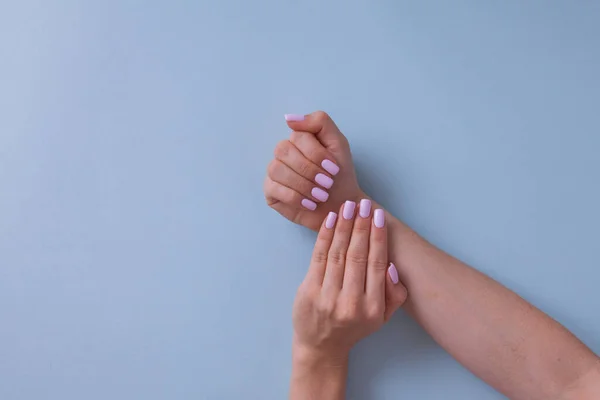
(350, 289)
(312, 173)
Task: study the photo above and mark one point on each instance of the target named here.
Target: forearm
(316, 376)
(489, 329)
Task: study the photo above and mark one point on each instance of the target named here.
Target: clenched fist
(312, 172)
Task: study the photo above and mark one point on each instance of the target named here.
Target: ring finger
(290, 155)
(281, 173)
(336, 259)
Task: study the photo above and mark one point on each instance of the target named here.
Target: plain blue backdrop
(138, 259)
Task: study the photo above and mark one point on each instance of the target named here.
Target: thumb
(320, 124)
(395, 292)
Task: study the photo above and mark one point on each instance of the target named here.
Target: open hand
(350, 289)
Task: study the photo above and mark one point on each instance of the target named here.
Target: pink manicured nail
(393, 273)
(330, 221)
(379, 218)
(365, 208)
(349, 209)
(294, 117)
(320, 194)
(324, 180)
(330, 167)
(311, 205)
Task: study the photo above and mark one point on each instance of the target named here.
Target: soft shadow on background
(137, 256)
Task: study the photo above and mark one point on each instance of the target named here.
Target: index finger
(318, 262)
(313, 150)
(318, 123)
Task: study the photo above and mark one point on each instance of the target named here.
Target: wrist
(317, 374)
(313, 358)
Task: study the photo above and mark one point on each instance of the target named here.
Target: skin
(347, 295)
(493, 332)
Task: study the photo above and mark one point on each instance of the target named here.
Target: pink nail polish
(379, 218)
(324, 180)
(349, 209)
(320, 194)
(365, 208)
(311, 205)
(294, 117)
(393, 273)
(330, 167)
(330, 221)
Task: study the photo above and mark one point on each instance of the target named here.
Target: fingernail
(365, 208)
(330, 167)
(393, 273)
(324, 180)
(311, 205)
(379, 218)
(294, 117)
(349, 209)
(320, 194)
(330, 221)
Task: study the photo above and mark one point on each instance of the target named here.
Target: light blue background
(137, 257)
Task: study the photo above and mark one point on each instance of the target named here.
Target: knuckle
(306, 290)
(321, 116)
(356, 258)
(401, 295)
(347, 314)
(273, 168)
(374, 314)
(337, 257)
(315, 153)
(361, 228)
(344, 317)
(267, 188)
(325, 307)
(344, 140)
(304, 169)
(268, 192)
(302, 291)
(311, 149)
(282, 149)
(319, 256)
(378, 264)
(296, 136)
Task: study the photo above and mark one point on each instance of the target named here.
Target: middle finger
(289, 154)
(358, 251)
(281, 173)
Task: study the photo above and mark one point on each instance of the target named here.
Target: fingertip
(402, 294)
(395, 292)
(393, 273)
(348, 209)
(364, 209)
(399, 292)
(324, 180)
(330, 167)
(379, 218)
(294, 117)
(309, 204)
(330, 220)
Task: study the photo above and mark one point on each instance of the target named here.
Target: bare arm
(492, 331)
(315, 376)
(489, 329)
